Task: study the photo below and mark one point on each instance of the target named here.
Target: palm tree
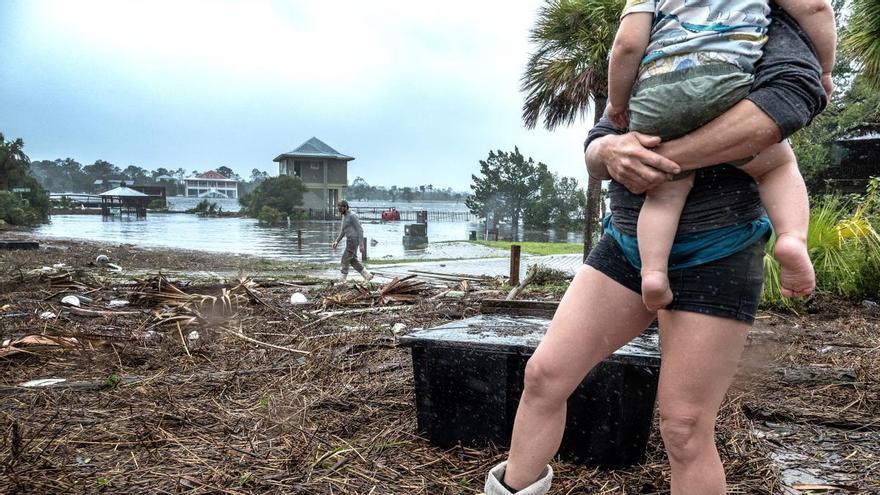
(14, 164)
(569, 71)
(862, 39)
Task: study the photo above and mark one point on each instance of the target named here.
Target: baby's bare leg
(658, 221)
(785, 198)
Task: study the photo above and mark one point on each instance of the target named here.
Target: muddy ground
(271, 397)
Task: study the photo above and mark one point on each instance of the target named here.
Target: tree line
(361, 190)
(513, 188)
(68, 175)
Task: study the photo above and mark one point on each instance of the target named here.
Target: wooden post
(496, 233)
(364, 248)
(514, 264)
(299, 239)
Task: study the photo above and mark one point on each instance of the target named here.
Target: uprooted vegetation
(230, 387)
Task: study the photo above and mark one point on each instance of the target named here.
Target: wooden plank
(514, 264)
(521, 307)
(22, 245)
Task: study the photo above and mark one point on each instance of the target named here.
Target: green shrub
(282, 194)
(64, 202)
(204, 208)
(269, 216)
(157, 204)
(17, 211)
(844, 247)
(545, 275)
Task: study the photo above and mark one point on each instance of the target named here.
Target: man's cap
(342, 203)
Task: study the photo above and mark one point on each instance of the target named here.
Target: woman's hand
(629, 160)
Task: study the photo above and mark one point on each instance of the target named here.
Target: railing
(87, 200)
(375, 213)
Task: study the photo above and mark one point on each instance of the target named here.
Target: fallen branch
(452, 277)
(533, 270)
(95, 313)
(265, 344)
(87, 385)
(365, 310)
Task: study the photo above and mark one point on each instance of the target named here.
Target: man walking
(353, 233)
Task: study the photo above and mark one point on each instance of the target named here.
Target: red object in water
(391, 214)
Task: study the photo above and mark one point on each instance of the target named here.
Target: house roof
(864, 132)
(314, 148)
(211, 174)
(216, 179)
(124, 192)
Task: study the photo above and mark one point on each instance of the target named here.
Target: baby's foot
(795, 268)
(655, 289)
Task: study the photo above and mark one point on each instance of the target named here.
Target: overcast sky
(418, 92)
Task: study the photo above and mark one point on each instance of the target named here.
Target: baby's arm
(816, 18)
(629, 47)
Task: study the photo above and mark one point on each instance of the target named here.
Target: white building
(211, 185)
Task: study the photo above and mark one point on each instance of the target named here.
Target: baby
(676, 65)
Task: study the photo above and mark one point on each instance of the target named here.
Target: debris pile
(406, 289)
(161, 383)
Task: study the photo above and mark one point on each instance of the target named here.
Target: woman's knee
(546, 381)
(686, 434)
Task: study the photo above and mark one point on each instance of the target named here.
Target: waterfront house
(854, 159)
(102, 185)
(211, 185)
(323, 170)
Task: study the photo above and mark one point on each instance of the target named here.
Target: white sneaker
(366, 274)
(342, 279)
(539, 487)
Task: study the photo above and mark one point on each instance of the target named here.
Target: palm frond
(569, 68)
(861, 39)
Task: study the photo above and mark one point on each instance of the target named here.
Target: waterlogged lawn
(538, 248)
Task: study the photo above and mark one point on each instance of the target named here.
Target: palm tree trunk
(594, 190)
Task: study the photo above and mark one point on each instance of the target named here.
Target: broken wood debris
(10, 347)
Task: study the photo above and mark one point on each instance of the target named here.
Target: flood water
(181, 203)
(245, 236)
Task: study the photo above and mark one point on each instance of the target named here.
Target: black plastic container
(469, 379)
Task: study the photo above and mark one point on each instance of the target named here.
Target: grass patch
(538, 248)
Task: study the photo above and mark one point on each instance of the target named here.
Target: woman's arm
(785, 97)
(743, 131)
(816, 18)
(640, 162)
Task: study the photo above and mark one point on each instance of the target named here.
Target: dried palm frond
(174, 305)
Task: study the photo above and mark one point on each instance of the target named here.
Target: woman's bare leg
(700, 355)
(595, 317)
